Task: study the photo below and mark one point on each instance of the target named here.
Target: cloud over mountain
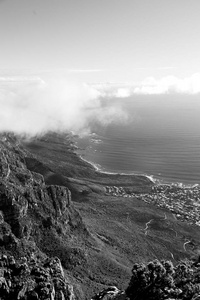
(33, 106)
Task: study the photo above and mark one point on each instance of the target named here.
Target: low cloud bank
(31, 106)
(170, 84)
(151, 86)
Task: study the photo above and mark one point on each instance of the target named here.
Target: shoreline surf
(151, 178)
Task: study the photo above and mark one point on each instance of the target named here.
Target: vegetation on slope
(159, 280)
(97, 236)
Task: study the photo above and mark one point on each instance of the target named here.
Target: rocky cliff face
(111, 293)
(36, 220)
(41, 231)
(36, 279)
(23, 194)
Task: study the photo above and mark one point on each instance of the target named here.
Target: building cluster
(182, 201)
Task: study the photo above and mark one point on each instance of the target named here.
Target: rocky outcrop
(23, 280)
(111, 293)
(25, 199)
(13, 207)
(41, 231)
(35, 220)
(61, 198)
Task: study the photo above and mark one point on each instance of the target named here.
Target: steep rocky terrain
(53, 204)
(36, 219)
(41, 231)
(33, 279)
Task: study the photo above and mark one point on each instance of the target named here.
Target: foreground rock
(22, 279)
(28, 207)
(111, 293)
(36, 220)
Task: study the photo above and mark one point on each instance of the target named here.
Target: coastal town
(182, 201)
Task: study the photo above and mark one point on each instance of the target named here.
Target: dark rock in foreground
(28, 206)
(39, 221)
(36, 220)
(33, 279)
(111, 293)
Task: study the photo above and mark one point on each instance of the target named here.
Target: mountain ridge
(55, 204)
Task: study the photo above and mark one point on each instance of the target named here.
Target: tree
(151, 281)
(161, 280)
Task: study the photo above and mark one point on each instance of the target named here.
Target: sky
(101, 40)
(60, 59)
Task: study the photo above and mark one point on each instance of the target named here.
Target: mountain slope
(54, 204)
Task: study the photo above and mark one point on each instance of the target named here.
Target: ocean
(160, 138)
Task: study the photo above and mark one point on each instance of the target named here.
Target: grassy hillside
(124, 230)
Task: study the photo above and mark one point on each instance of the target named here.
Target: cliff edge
(37, 221)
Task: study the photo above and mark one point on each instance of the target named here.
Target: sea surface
(160, 136)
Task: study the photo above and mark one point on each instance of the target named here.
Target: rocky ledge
(41, 231)
(33, 279)
(37, 221)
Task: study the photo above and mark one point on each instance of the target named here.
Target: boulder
(111, 293)
(41, 279)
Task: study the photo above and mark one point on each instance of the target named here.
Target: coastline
(151, 178)
(97, 168)
(80, 150)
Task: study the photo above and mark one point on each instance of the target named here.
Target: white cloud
(170, 84)
(149, 86)
(31, 106)
(123, 93)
